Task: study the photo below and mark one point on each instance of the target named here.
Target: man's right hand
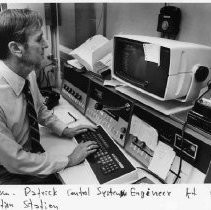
(81, 152)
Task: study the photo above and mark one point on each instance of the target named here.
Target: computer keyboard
(108, 162)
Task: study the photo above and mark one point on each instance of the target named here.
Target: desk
(82, 173)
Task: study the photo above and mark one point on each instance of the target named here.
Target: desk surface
(82, 173)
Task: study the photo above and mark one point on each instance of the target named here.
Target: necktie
(34, 135)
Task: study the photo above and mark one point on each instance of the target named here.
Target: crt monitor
(162, 68)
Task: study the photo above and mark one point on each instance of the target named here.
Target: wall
(195, 25)
(85, 22)
(137, 18)
(79, 22)
(142, 18)
(134, 18)
(67, 28)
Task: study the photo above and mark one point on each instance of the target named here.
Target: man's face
(33, 53)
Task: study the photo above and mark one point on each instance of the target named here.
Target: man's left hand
(71, 132)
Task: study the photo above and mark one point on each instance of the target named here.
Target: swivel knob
(123, 130)
(135, 139)
(79, 97)
(142, 145)
(201, 73)
(69, 90)
(98, 106)
(65, 86)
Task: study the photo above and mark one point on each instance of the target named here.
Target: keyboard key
(108, 162)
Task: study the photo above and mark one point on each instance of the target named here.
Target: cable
(183, 131)
(181, 150)
(153, 174)
(180, 163)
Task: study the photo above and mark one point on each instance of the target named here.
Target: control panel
(138, 128)
(75, 88)
(189, 148)
(142, 140)
(110, 110)
(148, 127)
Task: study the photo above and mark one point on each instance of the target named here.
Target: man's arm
(71, 132)
(48, 119)
(16, 160)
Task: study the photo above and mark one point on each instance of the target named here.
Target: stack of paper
(91, 51)
(103, 64)
(75, 63)
(162, 159)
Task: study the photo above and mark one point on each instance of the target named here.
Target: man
(22, 159)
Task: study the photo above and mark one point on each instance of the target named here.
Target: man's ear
(15, 48)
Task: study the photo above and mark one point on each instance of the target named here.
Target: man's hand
(71, 132)
(81, 152)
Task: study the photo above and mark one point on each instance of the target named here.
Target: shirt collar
(15, 81)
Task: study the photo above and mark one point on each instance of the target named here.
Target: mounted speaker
(169, 20)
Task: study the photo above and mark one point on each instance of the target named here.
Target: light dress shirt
(14, 127)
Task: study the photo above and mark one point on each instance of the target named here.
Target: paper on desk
(63, 115)
(144, 132)
(79, 174)
(75, 63)
(152, 53)
(186, 169)
(162, 159)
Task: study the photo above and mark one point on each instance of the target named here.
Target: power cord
(180, 163)
(181, 153)
(183, 131)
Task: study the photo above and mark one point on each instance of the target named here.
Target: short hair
(15, 25)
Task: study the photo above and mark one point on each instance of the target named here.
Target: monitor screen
(130, 64)
(132, 60)
(162, 68)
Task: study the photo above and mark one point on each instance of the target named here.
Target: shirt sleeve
(48, 119)
(18, 161)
